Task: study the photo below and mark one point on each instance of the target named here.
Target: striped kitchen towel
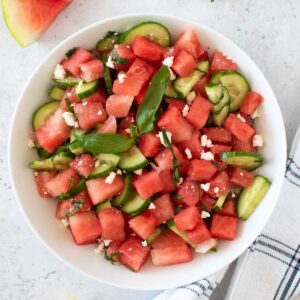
(270, 268)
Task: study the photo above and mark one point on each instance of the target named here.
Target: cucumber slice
(218, 118)
(56, 93)
(42, 114)
(238, 88)
(244, 160)
(84, 90)
(108, 41)
(184, 85)
(103, 205)
(73, 191)
(107, 80)
(152, 30)
(251, 196)
(170, 91)
(76, 148)
(225, 100)
(203, 66)
(125, 195)
(182, 234)
(215, 79)
(154, 235)
(220, 202)
(136, 205)
(214, 93)
(132, 160)
(69, 81)
(107, 163)
(42, 153)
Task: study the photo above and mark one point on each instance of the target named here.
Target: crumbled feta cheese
(97, 163)
(138, 172)
(205, 142)
(188, 153)
(35, 173)
(80, 162)
(130, 249)
(155, 167)
(84, 103)
(179, 183)
(144, 243)
(190, 97)
(172, 75)
(70, 119)
(185, 110)
(258, 140)
(110, 178)
(255, 114)
(205, 214)
(152, 206)
(30, 143)
(99, 113)
(99, 249)
(121, 77)
(205, 186)
(168, 61)
(110, 62)
(207, 155)
(59, 72)
(106, 242)
(65, 222)
(233, 195)
(216, 190)
(127, 130)
(119, 172)
(160, 136)
(206, 246)
(241, 118)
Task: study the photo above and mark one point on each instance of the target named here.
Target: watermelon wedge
(28, 19)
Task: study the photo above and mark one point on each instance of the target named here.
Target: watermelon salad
(147, 146)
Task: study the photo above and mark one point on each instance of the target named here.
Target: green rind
(125, 195)
(245, 160)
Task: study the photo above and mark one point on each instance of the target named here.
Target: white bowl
(40, 213)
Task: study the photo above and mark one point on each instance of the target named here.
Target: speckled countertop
(269, 31)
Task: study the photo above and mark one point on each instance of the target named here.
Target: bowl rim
(280, 121)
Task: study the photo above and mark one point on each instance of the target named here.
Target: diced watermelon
(138, 99)
(164, 159)
(168, 184)
(218, 148)
(199, 234)
(228, 209)
(125, 52)
(85, 227)
(100, 191)
(167, 239)
(203, 56)
(133, 253)
(173, 121)
(83, 164)
(89, 114)
(118, 105)
(199, 112)
(189, 192)
(199, 87)
(149, 144)
(184, 63)
(223, 227)
(220, 62)
(41, 179)
(207, 203)
(243, 145)
(177, 103)
(79, 57)
(148, 184)
(113, 250)
(143, 226)
(219, 184)
(54, 132)
(146, 49)
(98, 96)
(71, 95)
(250, 103)
(193, 144)
(171, 51)
(127, 121)
(201, 170)
(218, 135)
(109, 126)
(171, 255)
(62, 182)
(92, 70)
(189, 41)
(241, 177)
(112, 224)
(164, 209)
(238, 128)
(187, 219)
(69, 207)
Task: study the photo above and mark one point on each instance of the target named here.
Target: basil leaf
(104, 142)
(70, 52)
(176, 175)
(146, 112)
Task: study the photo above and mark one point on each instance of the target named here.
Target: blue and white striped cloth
(270, 268)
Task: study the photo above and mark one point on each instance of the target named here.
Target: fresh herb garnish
(110, 258)
(176, 175)
(69, 106)
(117, 59)
(133, 131)
(146, 112)
(73, 190)
(70, 52)
(104, 142)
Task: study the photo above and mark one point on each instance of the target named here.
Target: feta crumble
(70, 119)
(172, 75)
(121, 77)
(207, 155)
(185, 110)
(99, 113)
(110, 62)
(30, 143)
(152, 206)
(190, 97)
(110, 178)
(206, 246)
(188, 153)
(168, 61)
(258, 140)
(97, 163)
(35, 173)
(138, 172)
(160, 136)
(59, 72)
(99, 249)
(180, 181)
(216, 190)
(106, 242)
(119, 172)
(205, 214)
(84, 103)
(65, 222)
(155, 167)
(127, 130)
(205, 186)
(241, 118)
(205, 141)
(144, 243)
(255, 114)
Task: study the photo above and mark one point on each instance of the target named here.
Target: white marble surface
(269, 31)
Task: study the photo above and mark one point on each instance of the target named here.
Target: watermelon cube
(124, 52)
(241, 177)
(250, 103)
(228, 209)
(219, 148)
(164, 209)
(85, 227)
(138, 99)
(118, 106)
(219, 184)
(207, 203)
(218, 135)
(109, 126)
(199, 233)
(201, 170)
(167, 239)
(164, 159)
(41, 179)
(149, 144)
(239, 145)
(92, 70)
(143, 226)
(189, 192)
(187, 219)
(83, 164)
(71, 95)
(220, 62)
(199, 87)
(224, 227)
(184, 63)
(168, 184)
(177, 104)
(194, 145)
